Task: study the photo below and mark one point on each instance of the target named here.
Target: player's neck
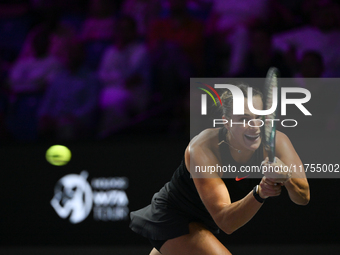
(239, 154)
(242, 157)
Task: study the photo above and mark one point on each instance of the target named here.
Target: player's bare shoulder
(283, 144)
(205, 141)
(208, 139)
(281, 139)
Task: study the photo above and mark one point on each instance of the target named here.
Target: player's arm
(297, 185)
(215, 196)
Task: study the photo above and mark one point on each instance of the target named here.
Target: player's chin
(252, 143)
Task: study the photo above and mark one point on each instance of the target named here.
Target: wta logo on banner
(75, 198)
(238, 102)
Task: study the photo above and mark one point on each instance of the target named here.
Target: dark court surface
(301, 249)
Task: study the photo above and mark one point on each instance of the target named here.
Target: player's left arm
(297, 186)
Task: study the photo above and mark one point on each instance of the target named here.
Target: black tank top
(184, 198)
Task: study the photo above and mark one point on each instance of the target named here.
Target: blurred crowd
(78, 69)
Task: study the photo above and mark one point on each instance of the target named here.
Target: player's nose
(255, 123)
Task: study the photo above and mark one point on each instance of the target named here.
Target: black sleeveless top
(178, 202)
(183, 189)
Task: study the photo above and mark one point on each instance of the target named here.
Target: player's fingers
(266, 190)
(276, 193)
(270, 190)
(265, 161)
(279, 180)
(271, 193)
(270, 181)
(278, 161)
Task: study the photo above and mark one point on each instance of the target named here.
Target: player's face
(246, 137)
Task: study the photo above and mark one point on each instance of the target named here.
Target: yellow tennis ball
(58, 155)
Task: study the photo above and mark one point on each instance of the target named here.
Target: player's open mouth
(252, 137)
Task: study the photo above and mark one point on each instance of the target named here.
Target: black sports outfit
(178, 202)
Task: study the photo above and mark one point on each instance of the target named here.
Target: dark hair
(227, 99)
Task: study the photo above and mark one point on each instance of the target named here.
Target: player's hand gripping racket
(269, 127)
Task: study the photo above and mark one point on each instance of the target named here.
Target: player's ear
(227, 124)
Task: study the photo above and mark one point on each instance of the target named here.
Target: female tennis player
(186, 213)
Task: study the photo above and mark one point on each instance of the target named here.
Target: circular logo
(73, 197)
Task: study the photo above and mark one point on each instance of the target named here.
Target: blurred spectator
(98, 31)
(309, 7)
(13, 8)
(284, 14)
(124, 72)
(15, 23)
(229, 22)
(32, 74)
(176, 45)
(68, 110)
(180, 30)
(99, 25)
(74, 14)
(28, 79)
(143, 11)
(324, 103)
(228, 14)
(14, 26)
(60, 36)
(322, 36)
(200, 8)
(262, 56)
(61, 39)
(311, 65)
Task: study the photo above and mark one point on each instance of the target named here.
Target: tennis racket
(269, 127)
